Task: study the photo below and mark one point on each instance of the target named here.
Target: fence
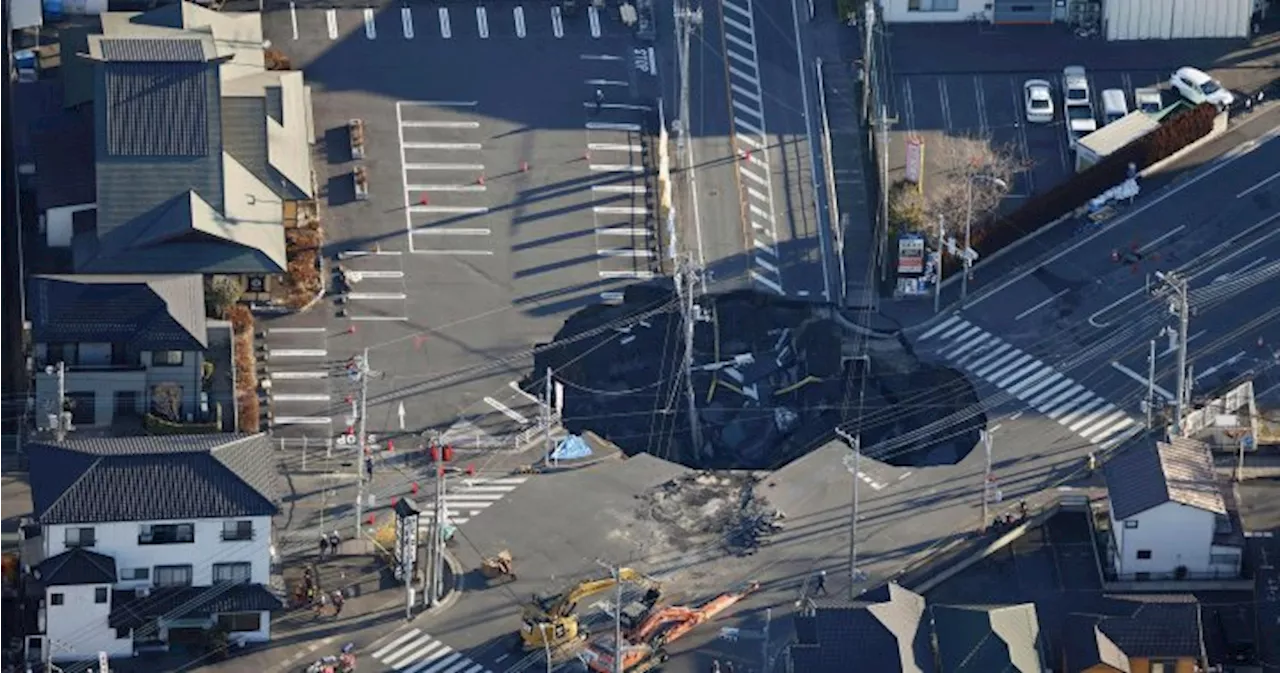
(876, 118)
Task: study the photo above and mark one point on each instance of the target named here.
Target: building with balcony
(1168, 517)
(137, 543)
(130, 346)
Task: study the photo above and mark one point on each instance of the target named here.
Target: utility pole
(986, 479)
(764, 641)
(942, 244)
(442, 520)
(885, 122)
(1151, 386)
(362, 372)
(546, 417)
(686, 279)
(60, 430)
(434, 533)
(1180, 305)
(868, 27)
(855, 443)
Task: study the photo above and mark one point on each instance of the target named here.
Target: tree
(166, 401)
(220, 294)
(906, 208)
(971, 178)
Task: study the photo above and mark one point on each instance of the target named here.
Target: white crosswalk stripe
(417, 652)
(468, 497)
(1035, 383)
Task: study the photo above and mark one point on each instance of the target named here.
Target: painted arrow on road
(400, 413)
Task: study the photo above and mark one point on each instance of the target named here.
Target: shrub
(276, 60)
(166, 401)
(302, 279)
(220, 294)
(248, 415)
(906, 207)
(155, 425)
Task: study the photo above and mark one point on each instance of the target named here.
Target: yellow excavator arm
(565, 603)
(549, 620)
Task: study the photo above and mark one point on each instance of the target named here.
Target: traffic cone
(351, 430)
(349, 399)
(746, 156)
(480, 180)
(524, 167)
(370, 520)
(471, 470)
(394, 500)
(586, 156)
(391, 447)
(413, 488)
(424, 200)
(351, 329)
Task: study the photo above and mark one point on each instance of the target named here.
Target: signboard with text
(911, 254)
(915, 160)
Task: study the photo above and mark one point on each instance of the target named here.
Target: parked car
(1075, 87)
(1080, 123)
(1148, 100)
(1198, 87)
(1114, 105)
(1039, 101)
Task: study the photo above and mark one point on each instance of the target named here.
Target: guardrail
(834, 217)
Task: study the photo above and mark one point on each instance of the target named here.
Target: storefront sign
(911, 254)
(915, 160)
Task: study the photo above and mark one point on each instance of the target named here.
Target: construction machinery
(549, 621)
(501, 566)
(644, 644)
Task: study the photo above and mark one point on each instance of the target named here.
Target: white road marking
(622, 231)
(617, 168)
(616, 106)
(296, 353)
(441, 125)
(1225, 363)
(1160, 239)
(557, 21)
(377, 318)
(293, 18)
(1241, 271)
(406, 22)
(593, 16)
(515, 385)
(445, 30)
(518, 14)
(438, 103)
(458, 210)
(611, 126)
(376, 296)
(620, 189)
(331, 18)
(482, 22)
(1041, 305)
(599, 57)
(301, 420)
(626, 274)
(299, 376)
(743, 91)
(767, 282)
(620, 210)
(300, 397)
(1259, 185)
(625, 252)
(441, 146)
(357, 276)
(444, 167)
(460, 253)
(506, 411)
(653, 62)
(395, 643)
(613, 147)
(607, 82)
(445, 188)
(370, 28)
(453, 231)
(296, 330)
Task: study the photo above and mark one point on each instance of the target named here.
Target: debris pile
(705, 508)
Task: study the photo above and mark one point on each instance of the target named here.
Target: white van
(1114, 105)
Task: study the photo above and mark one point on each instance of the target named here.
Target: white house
(1120, 19)
(1168, 516)
(147, 540)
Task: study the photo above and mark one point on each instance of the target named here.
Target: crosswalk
(750, 142)
(417, 652)
(468, 496)
(446, 23)
(1030, 380)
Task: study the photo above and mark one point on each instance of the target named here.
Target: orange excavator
(644, 644)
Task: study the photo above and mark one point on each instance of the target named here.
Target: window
(100, 595)
(166, 358)
(1144, 554)
(1131, 523)
(55, 599)
(1164, 666)
(237, 530)
(82, 405)
(173, 576)
(167, 533)
(933, 5)
(240, 621)
(232, 572)
(79, 537)
(135, 574)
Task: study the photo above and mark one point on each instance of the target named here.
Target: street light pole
(942, 244)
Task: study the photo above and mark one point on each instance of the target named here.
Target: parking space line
(301, 420)
(557, 21)
(620, 210)
(945, 102)
(295, 330)
(378, 318)
(460, 253)
(404, 174)
(1063, 150)
(1029, 173)
(406, 22)
(980, 92)
(441, 146)
(593, 16)
(296, 353)
(455, 210)
(299, 397)
(620, 189)
(626, 274)
(376, 296)
(482, 22)
(293, 17)
(611, 126)
(440, 125)
(438, 103)
(517, 13)
(445, 188)
(613, 147)
(617, 168)
(299, 376)
(908, 105)
(445, 30)
(452, 231)
(331, 18)
(370, 28)
(444, 167)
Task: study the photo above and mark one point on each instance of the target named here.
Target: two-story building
(128, 346)
(1168, 517)
(1136, 634)
(143, 542)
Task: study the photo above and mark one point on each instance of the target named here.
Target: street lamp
(968, 226)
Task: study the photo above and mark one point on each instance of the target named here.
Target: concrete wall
(58, 227)
(77, 629)
(1176, 19)
(120, 541)
(262, 635)
(1175, 534)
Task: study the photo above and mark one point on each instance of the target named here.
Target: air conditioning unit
(143, 592)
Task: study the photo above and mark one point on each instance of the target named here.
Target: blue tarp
(571, 448)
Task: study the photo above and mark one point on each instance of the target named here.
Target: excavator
(548, 621)
(644, 644)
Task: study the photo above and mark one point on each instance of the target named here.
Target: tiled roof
(1084, 646)
(64, 159)
(987, 639)
(147, 312)
(1150, 474)
(157, 109)
(129, 610)
(153, 478)
(153, 51)
(1138, 626)
(77, 566)
(883, 637)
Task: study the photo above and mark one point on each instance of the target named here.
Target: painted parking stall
(374, 286)
(457, 21)
(298, 382)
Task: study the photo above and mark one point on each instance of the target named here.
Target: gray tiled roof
(987, 639)
(1143, 626)
(152, 51)
(153, 478)
(146, 312)
(157, 109)
(1152, 473)
(883, 637)
(244, 134)
(129, 610)
(64, 159)
(77, 566)
(1084, 646)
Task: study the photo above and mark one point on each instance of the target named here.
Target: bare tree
(973, 177)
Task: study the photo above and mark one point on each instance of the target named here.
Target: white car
(1148, 100)
(1080, 123)
(1075, 87)
(1038, 100)
(1198, 87)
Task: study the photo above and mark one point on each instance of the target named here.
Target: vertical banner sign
(406, 535)
(915, 162)
(911, 254)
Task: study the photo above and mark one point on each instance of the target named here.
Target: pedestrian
(821, 587)
(311, 595)
(307, 580)
(715, 666)
(368, 467)
(728, 666)
(338, 600)
(335, 541)
(599, 99)
(321, 601)
(324, 545)
(1022, 508)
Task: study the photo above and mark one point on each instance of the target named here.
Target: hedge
(155, 425)
(302, 250)
(248, 413)
(1046, 208)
